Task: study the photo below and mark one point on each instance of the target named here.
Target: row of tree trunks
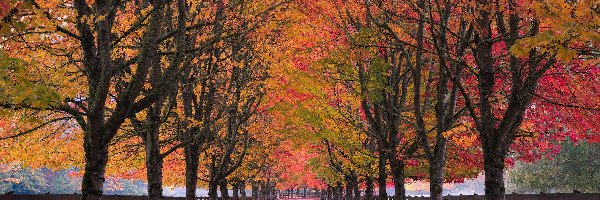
(239, 190)
(263, 190)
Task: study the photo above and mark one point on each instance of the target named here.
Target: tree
(133, 82)
(415, 85)
(149, 128)
(497, 115)
(114, 83)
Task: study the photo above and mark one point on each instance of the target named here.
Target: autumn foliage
(336, 96)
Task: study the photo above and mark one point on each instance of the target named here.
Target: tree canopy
(338, 96)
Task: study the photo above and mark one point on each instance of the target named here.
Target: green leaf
(565, 54)
(518, 50)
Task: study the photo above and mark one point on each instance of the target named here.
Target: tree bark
(334, 192)
(494, 176)
(382, 179)
(340, 191)
(352, 191)
(243, 190)
(191, 171)
(304, 192)
(255, 192)
(96, 157)
(154, 170)
(494, 185)
(356, 189)
(398, 175)
(436, 181)
(213, 190)
(223, 188)
(266, 190)
(349, 188)
(369, 188)
(236, 191)
(154, 161)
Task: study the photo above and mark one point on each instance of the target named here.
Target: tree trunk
(329, 192)
(96, 157)
(340, 191)
(436, 173)
(492, 139)
(236, 191)
(356, 189)
(265, 191)
(153, 165)
(191, 171)
(212, 190)
(254, 192)
(382, 179)
(369, 188)
(398, 175)
(334, 192)
(243, 190)
(494, 175)
(154, 175)
(223, 187)
(304, 194)
(349, 188)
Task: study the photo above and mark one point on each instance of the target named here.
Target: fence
(78, 196)
(559, 196)
(556, 196)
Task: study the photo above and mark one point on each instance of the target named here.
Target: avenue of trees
(340, 96)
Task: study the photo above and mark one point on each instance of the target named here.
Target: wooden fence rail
(77, 197)
(559, 196)
(556, 196)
